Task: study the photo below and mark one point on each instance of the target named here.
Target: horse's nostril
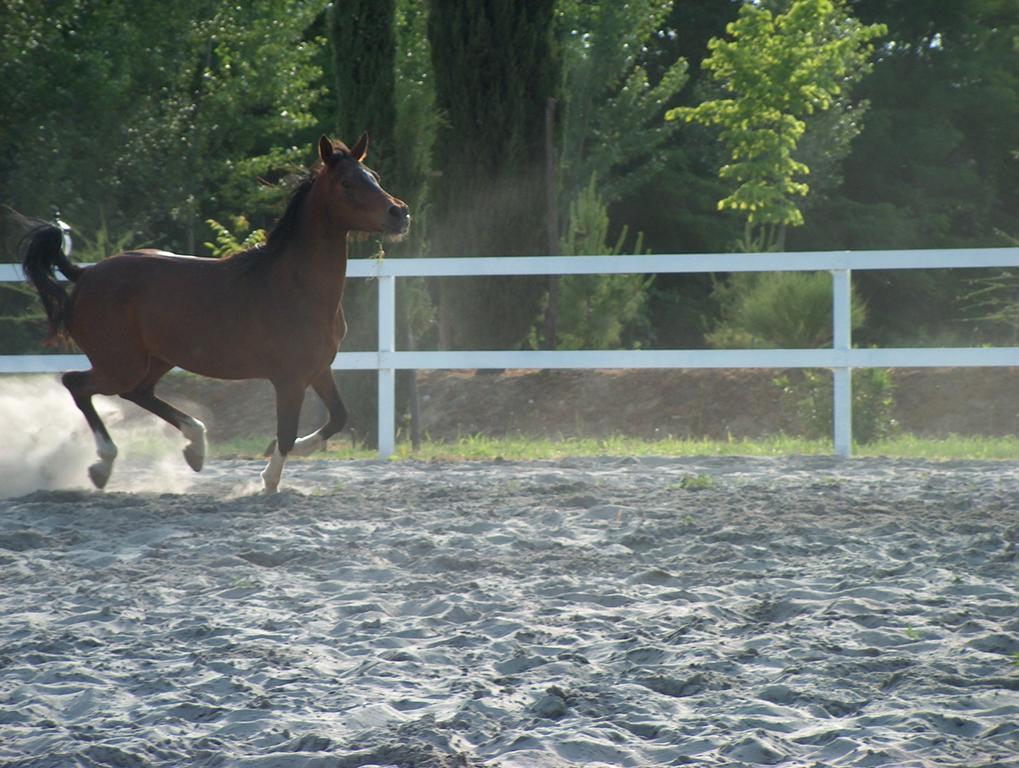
(398, 211)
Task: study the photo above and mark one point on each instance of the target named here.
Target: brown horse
(272, 312)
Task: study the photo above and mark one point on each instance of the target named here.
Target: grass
(694, 483)
(254, 448)
(484, 448)
(951, 447)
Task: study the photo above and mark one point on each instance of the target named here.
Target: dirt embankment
(648, 404)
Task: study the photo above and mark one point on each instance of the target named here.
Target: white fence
(841, 357)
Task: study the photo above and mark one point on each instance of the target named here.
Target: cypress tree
(495, 64)
(363, 37)
(364, 49)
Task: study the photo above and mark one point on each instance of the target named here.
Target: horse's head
(355, 200)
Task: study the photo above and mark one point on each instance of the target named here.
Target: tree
(383, 84)
(612, 123)
(597, 310)
(934, 161)
(777, 71)
(933, 166)
(152, 118)
(495, 65)
(675, 207)
(364, 48)
(416, 119)
(380, 61)
(612, 138)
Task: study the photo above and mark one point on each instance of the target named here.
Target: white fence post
(387, 374)
(842, 376)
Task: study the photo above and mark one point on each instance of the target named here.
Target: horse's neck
(317, 268)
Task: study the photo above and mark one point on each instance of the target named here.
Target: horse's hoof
(270, 486)
(99, 473)
(194, 457)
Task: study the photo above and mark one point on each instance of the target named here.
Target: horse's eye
(346, 183)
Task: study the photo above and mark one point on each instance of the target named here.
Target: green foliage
(783, 310)
(17, 299)
(23, 334)
(103, 244)
(993, 303)
(790, 310)
(495, 66)
(777, 70)
(937, 151)
(610, 129)
(141, 121)
(676, 207)
(383, 85)
(23, 325)
(227, 243)
(416, 117)
(611, 122)
(364, 46)
(380, 57)
(932, 168)
(160, 111)
(699, 482)
(595, 310)
(809, 393)
(587, 230)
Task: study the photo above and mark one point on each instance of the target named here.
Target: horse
(272, 312)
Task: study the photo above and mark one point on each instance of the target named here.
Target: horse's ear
(360, 149)
(325, 148)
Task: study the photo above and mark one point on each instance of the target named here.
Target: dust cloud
(45, 443)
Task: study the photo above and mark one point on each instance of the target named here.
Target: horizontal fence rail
(840, 358)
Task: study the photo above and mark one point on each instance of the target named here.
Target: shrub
(596, 310)
(789, 310)
(228, 243)
(809, 394)
(776, 310)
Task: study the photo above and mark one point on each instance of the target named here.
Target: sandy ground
(595, 612)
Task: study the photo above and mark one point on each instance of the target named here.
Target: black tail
(44, 251)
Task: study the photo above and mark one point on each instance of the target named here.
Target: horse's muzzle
(398, 222)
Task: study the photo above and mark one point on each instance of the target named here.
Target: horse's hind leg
(193, 430)
(82, 387)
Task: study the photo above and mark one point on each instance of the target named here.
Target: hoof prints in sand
(797, 612)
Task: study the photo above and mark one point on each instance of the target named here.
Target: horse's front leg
(289, 396)
(325, 387)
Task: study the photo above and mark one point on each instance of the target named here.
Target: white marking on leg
(104, 447)
(194, 431)
(309, 444)
(101, 470)
(273, 471)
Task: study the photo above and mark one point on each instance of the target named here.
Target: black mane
(281, 233)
